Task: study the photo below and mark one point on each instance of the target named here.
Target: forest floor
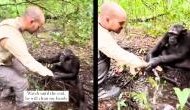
(161, 98)
(135, 41)
(44, 46)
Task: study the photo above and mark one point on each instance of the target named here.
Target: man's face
(116, 25)
(34, 26)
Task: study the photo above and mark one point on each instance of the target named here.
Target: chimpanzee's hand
(152, 63)
(148, 57)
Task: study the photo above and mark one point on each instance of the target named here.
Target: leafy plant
(120, 102)
(157, 87)
(153, 82)
(182, 96)
(142, 99)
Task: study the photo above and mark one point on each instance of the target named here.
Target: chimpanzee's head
(176, 33)
(66, 55)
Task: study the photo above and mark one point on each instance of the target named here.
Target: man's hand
(136, 67)
(46, 72)
(139, 68)
(141, 64)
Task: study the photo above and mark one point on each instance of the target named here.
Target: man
(111, 19)
(12, 45)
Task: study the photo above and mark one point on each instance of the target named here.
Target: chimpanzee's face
(66, 55)
(173, 38)
(176, 33)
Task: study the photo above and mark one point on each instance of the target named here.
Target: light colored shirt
(15, 45)
(108, 46)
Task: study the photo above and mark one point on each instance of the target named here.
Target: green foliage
(182, 96)
(141, 98)
(153, 82)
(73, 17)
(76, 21)
(35, 42)
(35, 85)
(161, 14)
(120, 102)
(12, 10)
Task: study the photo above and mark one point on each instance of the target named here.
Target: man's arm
(20, 51)
(108, 46)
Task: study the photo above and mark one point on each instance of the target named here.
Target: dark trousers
(103, 68)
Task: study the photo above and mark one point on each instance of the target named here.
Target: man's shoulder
(9, 24)
(101, 29)
(10, 21)
(9, 31)
(103, 33)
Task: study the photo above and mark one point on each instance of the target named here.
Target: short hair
(35, 12)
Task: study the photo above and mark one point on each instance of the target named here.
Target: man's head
(33, 18)
(112, 17)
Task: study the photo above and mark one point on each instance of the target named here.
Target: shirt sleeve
(108, 46)
(19, 49)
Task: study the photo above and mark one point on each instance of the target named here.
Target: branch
(144, 3)
(147, 19)
(27, 2)
(17, 3)
(32, 2)
(16, 7)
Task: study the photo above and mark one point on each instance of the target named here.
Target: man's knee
(18, 66)
(13, 79)
(21, 84)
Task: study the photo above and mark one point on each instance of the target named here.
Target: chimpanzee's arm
(60, 67)
(173, 58)
(62, 75)
(156, 51)
(167, 59)
(170, 58)
(53, 59)
(56, 67)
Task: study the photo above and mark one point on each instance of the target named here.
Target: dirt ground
(48, 49)
(137, 42)
(85, 73)
(44, 47)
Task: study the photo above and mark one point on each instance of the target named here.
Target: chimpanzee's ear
(183, 32)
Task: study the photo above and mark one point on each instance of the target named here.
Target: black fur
(173, 50)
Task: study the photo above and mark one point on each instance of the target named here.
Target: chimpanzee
(173, 50)
(65, 66)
